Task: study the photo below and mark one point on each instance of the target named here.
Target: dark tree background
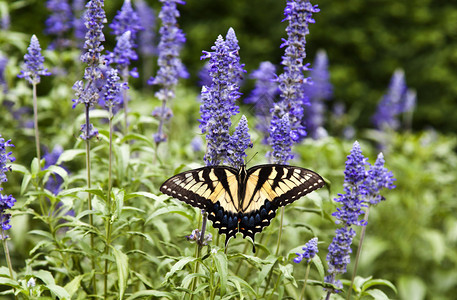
(366, 40)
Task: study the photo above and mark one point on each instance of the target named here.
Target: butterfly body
(242, 200)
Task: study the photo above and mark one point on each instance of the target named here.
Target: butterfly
(240, 200)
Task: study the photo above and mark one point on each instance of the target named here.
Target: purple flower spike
(238, 68)
(280, 140)
(59, 22)
(378, 178)
(338, 256)
(33, 63)
(299, 14)
(171, 41)
(238, 143)
(6, 201)
(146, 37)
(319, 90)
(112, 88)
(123, 52)
(361, 188)
(218, 101)
(126, 20)
(263, 95)
(94, 18)
(352, 200)
(170, 66)
(3, 64)
(397, 100)
(310, 250)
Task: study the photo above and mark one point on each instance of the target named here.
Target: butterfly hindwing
(269, 187)
(213, 189)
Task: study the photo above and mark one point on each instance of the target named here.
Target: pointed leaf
(179, 266)
(373, 282)
(122, 263)
(73, 286)
(377, 294)
(220, 260)
(69, 155)
(148, 294)
(59, 291)
(319, 266)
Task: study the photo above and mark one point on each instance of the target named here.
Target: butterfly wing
(269, 187)
(213, 189)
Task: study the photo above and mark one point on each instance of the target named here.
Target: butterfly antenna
(251, 158)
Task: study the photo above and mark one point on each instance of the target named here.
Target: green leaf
(151, 293)
(19, 168)
(119, 200)
(220, 260)
(73, 286)
(59, 291)
(69, 155)
(25, 182)
(179, 266)
(319, 266)
(98, 192)
(162, 227)
(271, 261)
(45, 276)
(9, 282)
(122, 263)
(143, 194)
(240, 282)
(359, 282)
(42, 233)
(35, 167)
(373, 282)
(287, 272)
(58, 170)
(377, 294)
(167, 210)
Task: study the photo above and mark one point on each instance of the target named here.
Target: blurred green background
(366, 40)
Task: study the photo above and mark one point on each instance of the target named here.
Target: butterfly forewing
(213, 189)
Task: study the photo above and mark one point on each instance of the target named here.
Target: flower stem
(198, 250)
(89, 195)
(108, 220)
(35, 122)
(276, 253)
(125, 75)
(280, 231)
(359, 250)
(328, 295)
(7, 254)
(302, 294)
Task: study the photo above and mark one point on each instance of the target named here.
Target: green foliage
(411, 238)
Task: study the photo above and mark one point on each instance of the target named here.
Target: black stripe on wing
(213, 189)
(269, 187)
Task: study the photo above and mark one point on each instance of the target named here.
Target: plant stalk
(89, 196)
(108, 220)
(198, 251)
(359, 250)
(125, 74)
(35, 124)
(302, 293)
(280, 231)
(7, 254)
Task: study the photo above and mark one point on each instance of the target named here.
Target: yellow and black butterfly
(242, 200)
